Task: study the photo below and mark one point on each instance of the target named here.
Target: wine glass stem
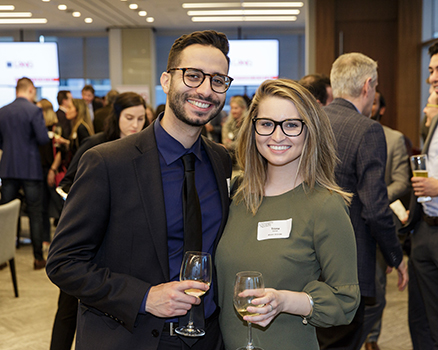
(249, 346)
(190, 324)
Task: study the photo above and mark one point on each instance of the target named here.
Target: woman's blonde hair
(318, 159)
(49, 114)
(82, 117)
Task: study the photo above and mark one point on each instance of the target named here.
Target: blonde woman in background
(238, 108)
(82, 126)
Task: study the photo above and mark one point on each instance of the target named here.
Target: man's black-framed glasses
(290, 127)
(194, 78)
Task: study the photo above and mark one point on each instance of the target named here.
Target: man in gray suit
(362, 151)
(424, 216)
(398, 184)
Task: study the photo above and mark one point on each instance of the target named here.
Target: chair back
(8, 229)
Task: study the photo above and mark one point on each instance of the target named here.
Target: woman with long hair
(288, 220)
(82, 126)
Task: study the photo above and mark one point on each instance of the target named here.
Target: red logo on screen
(23, 64)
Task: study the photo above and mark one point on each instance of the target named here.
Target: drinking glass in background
(196, 266)
(419, 169)
(248, 280)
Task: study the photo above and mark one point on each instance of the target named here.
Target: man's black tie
(192, 235)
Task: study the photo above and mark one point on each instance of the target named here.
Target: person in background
(319, 86)
(292, 220)
(119, 243)
(423, 218)
(102, 113)
(82, 126)
(22, 130)
(397, 181)
(361, 148)
(213, 129)
(160, 109)
(238, 108)
(150, 114)
(126, 117)
(50, 161)
(65, 101)
(88, 95)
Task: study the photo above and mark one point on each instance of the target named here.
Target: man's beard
(177, 101)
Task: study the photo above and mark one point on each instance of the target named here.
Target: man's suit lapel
(433, 126)
(148, 174)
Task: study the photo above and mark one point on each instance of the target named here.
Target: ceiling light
(46, 0)
(241, 4)
(142, 13)
(23, 20)
(7, 7)
(243, 12)
(76, 14)
(150, 19)
(15, 14)
(246, 19)
(62, 7)
(133, 6)
(88, 20)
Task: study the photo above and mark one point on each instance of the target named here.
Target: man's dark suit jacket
(361, 148)
(64, 123)
(111, 242)
(22, 130)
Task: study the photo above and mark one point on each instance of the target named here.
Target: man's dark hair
(62, 95)
(111, 96)
(206, 37)
(317, 85)
(88, 87)
(382, 102)
(23, 84)
(433, 50)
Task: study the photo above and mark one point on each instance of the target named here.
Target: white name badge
(274, 229)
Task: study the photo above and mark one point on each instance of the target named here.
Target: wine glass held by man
(289, 220)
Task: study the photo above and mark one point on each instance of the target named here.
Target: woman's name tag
(274, 229)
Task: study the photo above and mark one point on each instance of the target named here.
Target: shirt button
(155, 333)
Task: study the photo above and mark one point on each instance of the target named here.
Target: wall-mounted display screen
(253, 61)
(34, 60)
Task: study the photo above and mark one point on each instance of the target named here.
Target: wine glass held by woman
(288, 220)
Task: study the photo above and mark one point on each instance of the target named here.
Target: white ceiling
(168, 15)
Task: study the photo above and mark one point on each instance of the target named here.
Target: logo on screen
(9, 64)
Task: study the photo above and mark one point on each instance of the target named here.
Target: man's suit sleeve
(39, 127)
(372, 192)
(76, 249)
(400, 182)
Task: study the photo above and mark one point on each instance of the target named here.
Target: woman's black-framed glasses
(290, 127)
(194, 78)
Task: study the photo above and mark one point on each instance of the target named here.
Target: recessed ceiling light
(142, 13)
(46, 0)
(88, 20)
(23, 20)
(15, 14)
(133, 6)
(243, 12)
(76, 14)
(7, 7)
(241, 4)
(246, 19)
(150, 19)
(62, 7)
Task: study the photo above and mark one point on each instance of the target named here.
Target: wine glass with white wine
(419, 169)
(248, 280)
(196, 266)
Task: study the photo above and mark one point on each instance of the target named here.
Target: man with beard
(119, 244)
(361, 149)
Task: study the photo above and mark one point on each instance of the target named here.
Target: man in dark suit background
(119, 244)
(102, 113)
(22, 129)
(89, 96)
(65, 101)
(424, 221)
(361, 149)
